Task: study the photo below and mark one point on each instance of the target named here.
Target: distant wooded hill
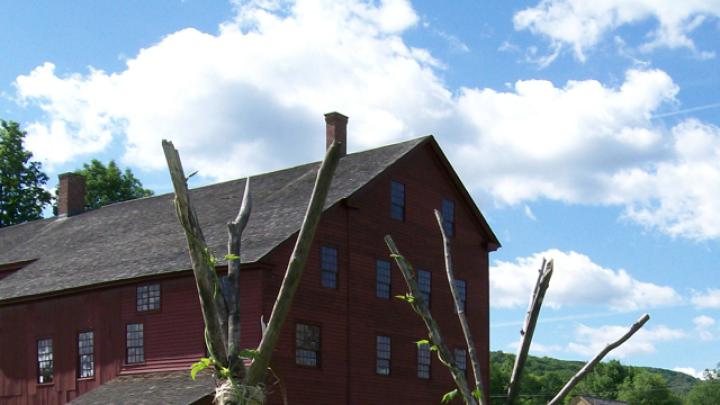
(544, 376)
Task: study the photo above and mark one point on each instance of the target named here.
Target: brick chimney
(336, 130)
(71, 194)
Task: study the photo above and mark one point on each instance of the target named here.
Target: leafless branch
(592, 363)
(541, 286)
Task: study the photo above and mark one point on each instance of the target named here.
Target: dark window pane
(382, 279)
(148, 297)
(461, 292)
(307, 345)
(460, 358)
(135, 343)
(45, 361)
(328, 267)
(383, 350)
(423, 361)
(424, 285)
(448, 214)
(397, 200)
(86, 355)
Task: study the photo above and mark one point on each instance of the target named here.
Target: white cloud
(529, 213)
(708, 299)
(581, 24)
(251, 98)
(536, 348)
(689, 371)
(576, 281)
(703, 327)
(589, 341)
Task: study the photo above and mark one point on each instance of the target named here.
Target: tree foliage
(704, 393)
(108, 184)
(646, 388)
(22, 196)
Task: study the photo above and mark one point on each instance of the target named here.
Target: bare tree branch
(541, 286)
(296, 265)
(211, 300)
(459, 308)
(420, 307)
(235, 230)
(592, 363)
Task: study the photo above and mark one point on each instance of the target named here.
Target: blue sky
(586, 132)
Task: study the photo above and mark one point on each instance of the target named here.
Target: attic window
(44, 361)
(148, 297)
(397, 201)
(448, 214)
(461, 292)
(382, 279)
(328, 267)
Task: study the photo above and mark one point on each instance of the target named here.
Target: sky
(587, 132)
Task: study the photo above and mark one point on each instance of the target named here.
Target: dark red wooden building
(100, 306)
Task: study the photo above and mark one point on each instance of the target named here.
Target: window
(148, 297)
(86, 355)
(448, 214)
(461, 292)
(460, 358)
(397, 200)
(45, 361)
(382, 350)
(135, 343)
(382, 279)
(423, 361)
(424, 285)
(307, 345)
(328, 267)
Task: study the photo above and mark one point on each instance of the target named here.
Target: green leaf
(422, 342)
(248, 353)
(449, 396)
(476, 393)
(434, 348)
(231, 257)
(224, 372)
(199, 366)
(406, 297)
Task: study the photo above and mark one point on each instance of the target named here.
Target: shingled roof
(167, 388)
(142, 238)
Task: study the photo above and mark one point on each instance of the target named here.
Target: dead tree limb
(211, 301)
(459, 308)
(296, 265)
(420, 307)
(592, 363)
(541, 286)
(235, 230)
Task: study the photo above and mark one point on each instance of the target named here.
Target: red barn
(100, 306)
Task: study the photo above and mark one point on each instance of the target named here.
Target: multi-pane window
(45, 361)
(461, 291)
(307, 345)
(382, 350)
(448, 215)
(86, 355)
(460, 358)
(424, 285)
(382, 279)
(135, 343)
(423, 361)
(148, 297)
(397, 200)
(328, 266)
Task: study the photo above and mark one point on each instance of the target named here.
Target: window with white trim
(44, 361)
(135, 343)
(148, 297)
(86, 354)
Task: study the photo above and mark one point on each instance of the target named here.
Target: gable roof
(142, 238)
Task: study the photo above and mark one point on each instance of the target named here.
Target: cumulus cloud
(251, 97)
(710, 298)
(704, 327)
(689, 371)
(581, 25)
(576, 281)
(588, 341)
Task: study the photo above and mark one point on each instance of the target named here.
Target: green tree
(604, 381)
(22, 196)
(108, 184)
(704, 393)
(647, 389)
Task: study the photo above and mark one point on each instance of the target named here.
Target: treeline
(544, 377)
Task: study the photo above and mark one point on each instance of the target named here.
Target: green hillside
(544, 376)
